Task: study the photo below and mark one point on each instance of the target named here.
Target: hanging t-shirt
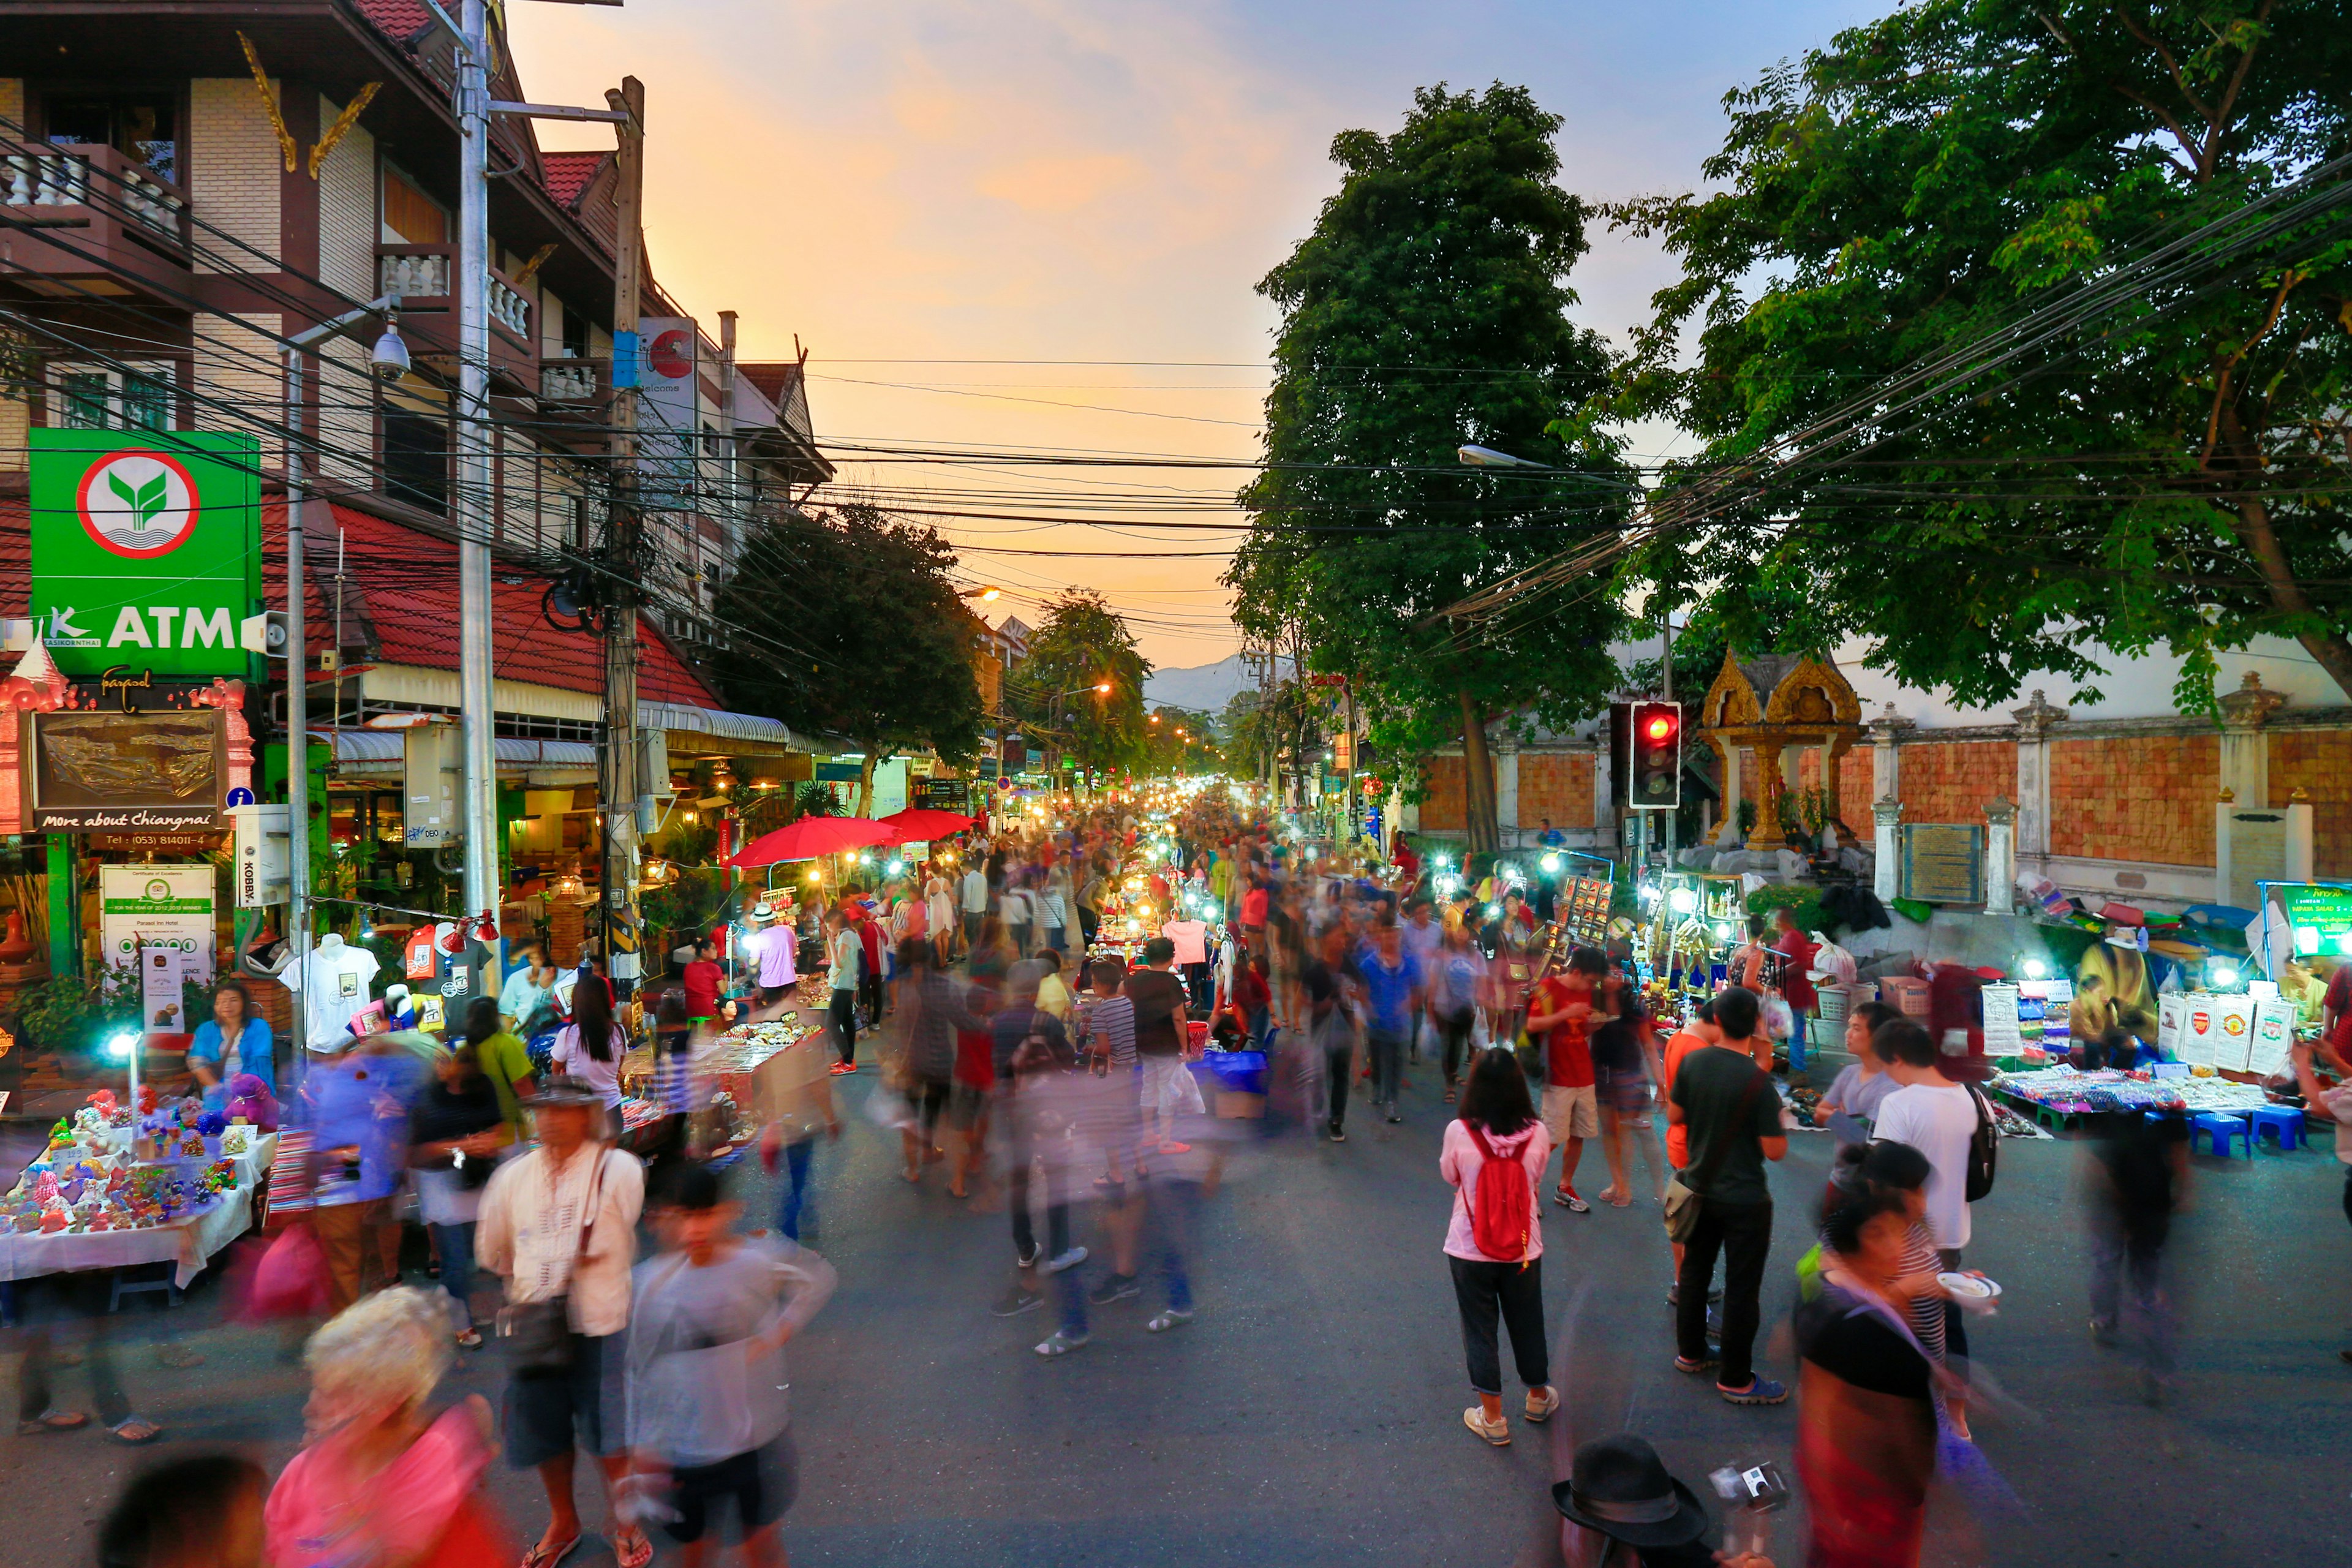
(1191, 940)
(334, 984)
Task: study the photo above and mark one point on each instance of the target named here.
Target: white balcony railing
(509, 308)
(426, 276)
(572, 381)
(45, 180)
(41, 178)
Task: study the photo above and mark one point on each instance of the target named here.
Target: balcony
(92, 212)
(577, 390)
(422, 274)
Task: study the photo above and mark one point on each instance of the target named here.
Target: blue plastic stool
(2285, 1119)
(2222, 1127)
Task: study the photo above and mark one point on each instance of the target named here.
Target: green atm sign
(146, 549)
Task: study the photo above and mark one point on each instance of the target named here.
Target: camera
(1752, 1493)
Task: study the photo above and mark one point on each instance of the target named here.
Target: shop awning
(752, 727)
(379, 752)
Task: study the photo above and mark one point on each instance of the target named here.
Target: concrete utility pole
(474, 514)
(624, 551)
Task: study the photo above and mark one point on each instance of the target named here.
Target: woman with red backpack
(1494, 1155)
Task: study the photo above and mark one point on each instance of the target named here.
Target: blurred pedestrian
(1493, 1243)
(201, 1511)
(1393, 987)
(506, 1061)
(1620, 1044)
(1730, 1116)
(1560, 1016)
(709, 1424)
(1939, 1117)
(43, 1303)
(2336, 1104)
(559, 1224)
(845, 958)
(234, 1040)
(1454, 982)
(1160, 1030)
(376, 1481)
(456, 1134)
(590, 1048)
(1863, 1083)
(1032, 1059)
(1866, 1421)
(2135, 1179)
(354, 1101)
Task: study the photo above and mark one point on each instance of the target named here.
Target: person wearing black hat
(1623, 1509)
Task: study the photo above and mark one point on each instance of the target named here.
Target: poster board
(166, 907)
(1941, 863)
(2273, 1037)
(2003, 1030)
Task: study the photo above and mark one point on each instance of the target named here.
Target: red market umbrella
(814, 836)
(921, 825)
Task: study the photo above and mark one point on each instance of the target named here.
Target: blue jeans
(1174, 1207)
(457, 1246)
(1796, 1040)
(796, 1185)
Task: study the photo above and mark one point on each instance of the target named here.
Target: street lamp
(1487, 458)
(985, 596)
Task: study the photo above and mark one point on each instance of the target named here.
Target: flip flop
(539, 1556)
(52, 1421)
(631, 1548)
(122, 1431)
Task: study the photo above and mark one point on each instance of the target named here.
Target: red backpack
(1502, 1209)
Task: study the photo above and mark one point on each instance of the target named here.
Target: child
(707, 1417)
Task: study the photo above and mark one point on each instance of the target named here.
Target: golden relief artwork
(115, 757)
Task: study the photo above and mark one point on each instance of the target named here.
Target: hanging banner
(146, 550)
(166, 908)
(127, 773)
(669, 420)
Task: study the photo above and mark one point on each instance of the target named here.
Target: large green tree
(855, 630)
(2166, 476)
(1428, 309)
(1083, 645)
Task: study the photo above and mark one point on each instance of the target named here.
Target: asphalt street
(1311, 1414)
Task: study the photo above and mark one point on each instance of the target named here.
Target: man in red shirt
(1560, 1013)
(1796, 950)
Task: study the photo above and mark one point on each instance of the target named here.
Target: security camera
(389, 358)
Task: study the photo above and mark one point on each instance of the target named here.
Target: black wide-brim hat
(1621, 1487)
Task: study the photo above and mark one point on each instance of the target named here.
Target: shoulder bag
(1682, 1196)
(537, 1335)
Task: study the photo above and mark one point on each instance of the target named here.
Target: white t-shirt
(1938, 1119)
(571, 1056)
(975, 891)
(335, 980)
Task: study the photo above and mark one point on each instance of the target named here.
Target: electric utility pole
(474, 514)
(624, 590)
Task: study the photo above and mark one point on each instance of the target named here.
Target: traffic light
(1657, 756)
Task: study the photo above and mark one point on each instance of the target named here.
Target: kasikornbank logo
(137, 505)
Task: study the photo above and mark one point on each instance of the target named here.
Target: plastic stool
(2285, 1119)
(166, 1285)
(2222, 1127)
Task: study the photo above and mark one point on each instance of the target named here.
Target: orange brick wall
(1952, 781)
(2133, 798)
(1443, 809)
(1556, 784)
(1857, 790)
(2318, 762)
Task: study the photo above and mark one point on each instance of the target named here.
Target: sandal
(543, 1556)
(631, 1548)
(178, 1357)
(134, 1430)
(52, 1420)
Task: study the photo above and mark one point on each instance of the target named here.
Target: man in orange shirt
(1560, 1013)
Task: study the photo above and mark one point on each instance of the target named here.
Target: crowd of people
(1032, 1002)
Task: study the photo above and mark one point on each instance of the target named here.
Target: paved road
(1312, 1414)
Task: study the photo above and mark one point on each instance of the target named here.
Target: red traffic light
(1661, 726)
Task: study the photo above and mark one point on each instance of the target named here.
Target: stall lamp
(2035, 969)
(897, 868)
(1494, 911)
(1683, 900)
(1648, 892)
(2223, 974)
(1552, 862)
(123, 1045)
(813, 877)
(1723, 929)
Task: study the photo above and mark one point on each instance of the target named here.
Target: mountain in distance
(1205, 688)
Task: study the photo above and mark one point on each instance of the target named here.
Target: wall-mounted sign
(2320, 916)
(166, 908)
(146, 551)
(1942, 863)
(126, 772)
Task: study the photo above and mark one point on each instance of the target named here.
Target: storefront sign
(158, 843)
(146, 553)
(2321, 918)
(1942, 863)
(160, 907)
(118, 772)
(943, 795)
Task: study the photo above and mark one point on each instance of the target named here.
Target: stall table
(190, 1242)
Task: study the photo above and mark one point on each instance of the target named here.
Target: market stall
(172, 1183)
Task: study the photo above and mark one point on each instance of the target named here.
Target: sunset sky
(942, 199)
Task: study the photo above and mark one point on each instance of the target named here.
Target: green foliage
(877, 646)
(813, 799)
(77, 1014)
(1428, 308)
(1774, 896)
(1082, 644)
(2169, 480)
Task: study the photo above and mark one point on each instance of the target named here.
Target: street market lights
(1472, 456)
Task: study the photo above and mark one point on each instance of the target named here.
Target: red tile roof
(399, 20)
(406, 583)
(568, 174)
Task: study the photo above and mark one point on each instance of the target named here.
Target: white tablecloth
(190, 1242)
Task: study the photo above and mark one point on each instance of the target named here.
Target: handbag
(537, 1335)
(1682, 1196)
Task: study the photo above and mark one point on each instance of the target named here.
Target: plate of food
(1973, 1292)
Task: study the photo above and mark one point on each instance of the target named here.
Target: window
(140, 125)
(87, 397)
(417, 458)
(575, 332)
(410, 217)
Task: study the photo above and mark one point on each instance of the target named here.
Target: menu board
(1584, 910)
